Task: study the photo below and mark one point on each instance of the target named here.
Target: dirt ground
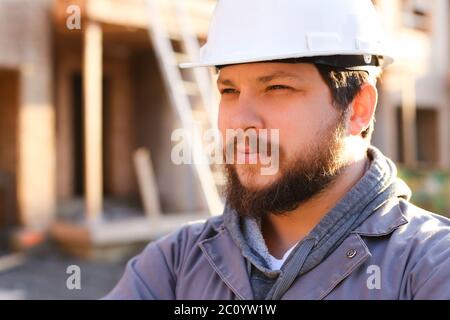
(41, 274)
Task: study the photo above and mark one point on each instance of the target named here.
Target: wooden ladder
(190, 91)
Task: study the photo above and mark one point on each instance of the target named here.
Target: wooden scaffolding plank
(147, 183)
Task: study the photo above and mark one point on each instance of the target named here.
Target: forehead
(266, 72)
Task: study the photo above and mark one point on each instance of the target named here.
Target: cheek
(301, 128)
(297, 129)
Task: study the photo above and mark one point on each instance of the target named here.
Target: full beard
(301, 179)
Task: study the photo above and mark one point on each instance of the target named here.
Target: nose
(245, 114)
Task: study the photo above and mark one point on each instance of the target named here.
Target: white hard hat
(244, 31)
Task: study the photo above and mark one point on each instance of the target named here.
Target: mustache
(248, 145)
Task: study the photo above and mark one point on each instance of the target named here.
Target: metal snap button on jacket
(351, 253)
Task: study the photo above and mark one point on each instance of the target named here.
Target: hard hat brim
(387, 59)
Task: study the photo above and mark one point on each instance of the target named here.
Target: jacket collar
(349, 256)
(227, 261)
(321, 280)
(383, 221)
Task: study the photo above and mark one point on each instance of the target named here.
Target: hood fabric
(378, 185)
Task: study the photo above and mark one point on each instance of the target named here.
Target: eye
(228, 91)
(278, 87)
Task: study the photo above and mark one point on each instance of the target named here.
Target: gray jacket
(396, 251)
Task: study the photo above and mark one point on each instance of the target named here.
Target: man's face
(294, 99)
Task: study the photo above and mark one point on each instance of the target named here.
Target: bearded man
(334, 221)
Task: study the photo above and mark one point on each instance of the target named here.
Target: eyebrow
(278, 75)
(225, 82)
(265, 79)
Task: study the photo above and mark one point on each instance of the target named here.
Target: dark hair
(345, 85)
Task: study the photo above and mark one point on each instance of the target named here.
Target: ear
(364, 106)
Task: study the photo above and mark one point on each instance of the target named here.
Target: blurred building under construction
(81, 110)
(413, 115)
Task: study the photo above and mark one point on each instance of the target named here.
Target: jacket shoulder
(424, 231)
(153, 273)
(422, 222)
(193, 232)
(181, 243)
(427, 240)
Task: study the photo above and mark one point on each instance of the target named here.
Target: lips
(246, 150)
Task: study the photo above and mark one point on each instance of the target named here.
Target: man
(334, 222)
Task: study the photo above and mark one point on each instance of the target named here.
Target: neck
(281, 232)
